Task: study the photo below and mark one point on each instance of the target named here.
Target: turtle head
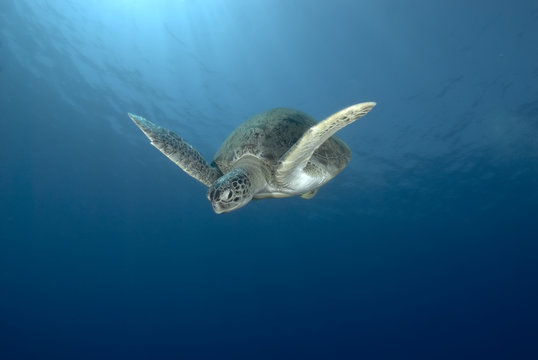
(231, 191)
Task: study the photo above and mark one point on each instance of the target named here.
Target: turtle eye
(226, 195)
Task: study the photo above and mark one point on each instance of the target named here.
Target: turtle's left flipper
(296, 158)
(178, 150)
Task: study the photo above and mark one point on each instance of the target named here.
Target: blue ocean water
(424, 247)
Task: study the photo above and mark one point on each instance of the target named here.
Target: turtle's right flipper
(296, 158)
(178, 150)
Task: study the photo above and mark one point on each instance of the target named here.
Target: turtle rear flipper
(178, 150)
(296, 158)
(310, 194)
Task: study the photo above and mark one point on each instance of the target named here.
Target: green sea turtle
(279, 153)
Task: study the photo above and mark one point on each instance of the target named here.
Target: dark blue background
(424, 247)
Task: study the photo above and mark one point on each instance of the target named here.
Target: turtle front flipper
(178, 150)
(296, 158)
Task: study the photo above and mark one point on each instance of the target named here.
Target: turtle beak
(213, 195)
(217, 208)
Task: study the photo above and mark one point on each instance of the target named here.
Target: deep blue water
(425, 247)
